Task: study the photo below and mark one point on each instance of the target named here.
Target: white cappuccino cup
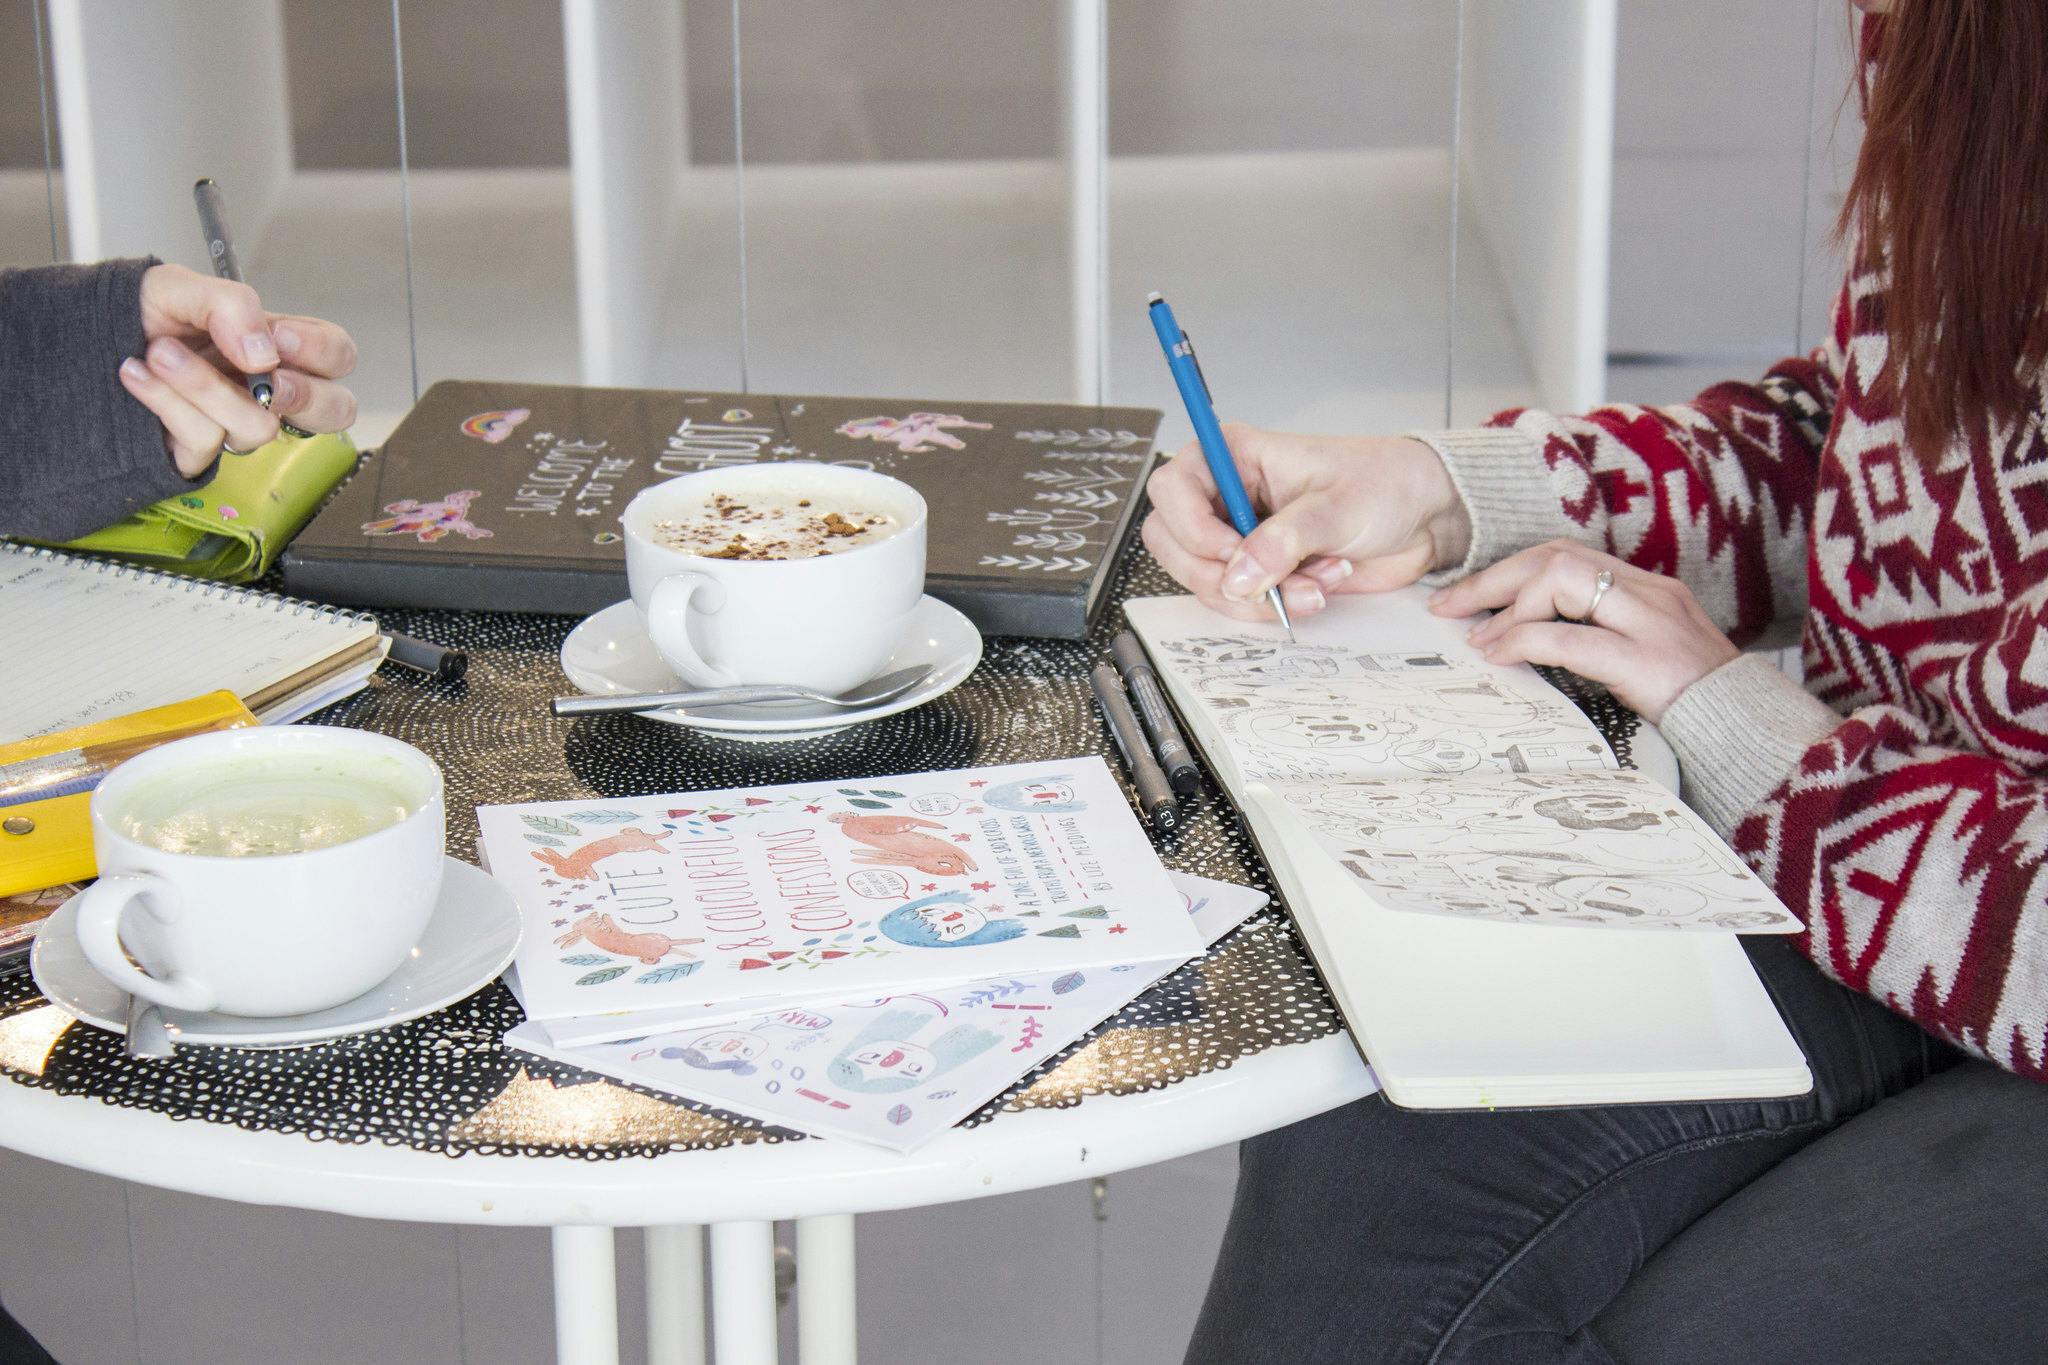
(820, 609)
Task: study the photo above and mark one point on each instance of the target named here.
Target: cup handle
(100, 907)
(668, 621)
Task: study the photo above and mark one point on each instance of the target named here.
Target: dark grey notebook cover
(506, 496)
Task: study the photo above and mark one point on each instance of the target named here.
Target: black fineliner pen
(220, 250)
(443, 665)
(1155, 798)
(1174, 755)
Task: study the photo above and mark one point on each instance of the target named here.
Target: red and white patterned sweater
(1899, 801)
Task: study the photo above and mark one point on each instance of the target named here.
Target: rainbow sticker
(495, 426)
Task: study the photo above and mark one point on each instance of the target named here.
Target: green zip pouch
(233, 528)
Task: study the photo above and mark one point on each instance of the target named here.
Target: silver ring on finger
(227, 449)
(1600, 587)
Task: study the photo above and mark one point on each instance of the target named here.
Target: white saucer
(469, 941)
(609, 654)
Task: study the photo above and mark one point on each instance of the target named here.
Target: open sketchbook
(1504, 916)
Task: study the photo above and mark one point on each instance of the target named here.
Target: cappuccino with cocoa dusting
(771, 524)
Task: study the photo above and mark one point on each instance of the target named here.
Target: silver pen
(220, 250)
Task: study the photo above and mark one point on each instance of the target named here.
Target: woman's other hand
(1647, 640)
(204, 336)
(1341, 514)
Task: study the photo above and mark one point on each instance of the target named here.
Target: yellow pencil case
(45, 840)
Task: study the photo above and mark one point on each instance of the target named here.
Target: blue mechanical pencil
(1194, 392)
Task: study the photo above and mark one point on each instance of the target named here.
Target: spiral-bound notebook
(87, 639)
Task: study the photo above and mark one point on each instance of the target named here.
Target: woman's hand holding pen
(1342, 514)
(205, 335)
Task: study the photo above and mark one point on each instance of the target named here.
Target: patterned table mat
(448, 1084)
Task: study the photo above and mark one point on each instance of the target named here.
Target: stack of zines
(871, 959)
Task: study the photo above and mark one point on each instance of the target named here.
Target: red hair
(1950, 197)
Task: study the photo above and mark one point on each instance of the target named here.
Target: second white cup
(825, 621)
(243, 929)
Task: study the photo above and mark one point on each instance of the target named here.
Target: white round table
(738, 1191)
(491, 736)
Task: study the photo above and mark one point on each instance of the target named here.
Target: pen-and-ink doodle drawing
(1307, 710)
(1457, 789)
(1608, 849)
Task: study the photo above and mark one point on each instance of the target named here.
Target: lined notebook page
(86, 640)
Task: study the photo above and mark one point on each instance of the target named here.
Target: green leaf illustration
(550, 840)
(548, 824)
(603, 817)
(1090, 912)
(1064, 931)
(585, 960)
(866, 804)
(877, 791)
(611, 974)
(675, 971)
(849, 791)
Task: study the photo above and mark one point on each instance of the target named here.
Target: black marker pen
(1174, 755)
(1155, 797)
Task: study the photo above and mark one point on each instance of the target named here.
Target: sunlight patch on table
(26, 1038)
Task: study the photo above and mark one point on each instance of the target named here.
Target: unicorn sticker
(430, 521)
(947, 920)
(912, 435)
(881, 1060)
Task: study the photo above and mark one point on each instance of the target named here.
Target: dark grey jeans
(17, 1347)
(1897, 1213)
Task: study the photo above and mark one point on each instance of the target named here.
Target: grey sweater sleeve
(76, 451)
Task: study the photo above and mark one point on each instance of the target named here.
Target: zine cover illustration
(829, 888)
(1614, 850)
(896, 1069)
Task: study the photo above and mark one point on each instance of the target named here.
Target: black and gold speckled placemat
(448, 1084)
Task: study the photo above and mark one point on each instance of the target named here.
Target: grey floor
(215, 1283)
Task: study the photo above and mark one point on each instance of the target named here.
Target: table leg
(586, 1297)
(743, 1293)
(675, 1295)
(826, 1328)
